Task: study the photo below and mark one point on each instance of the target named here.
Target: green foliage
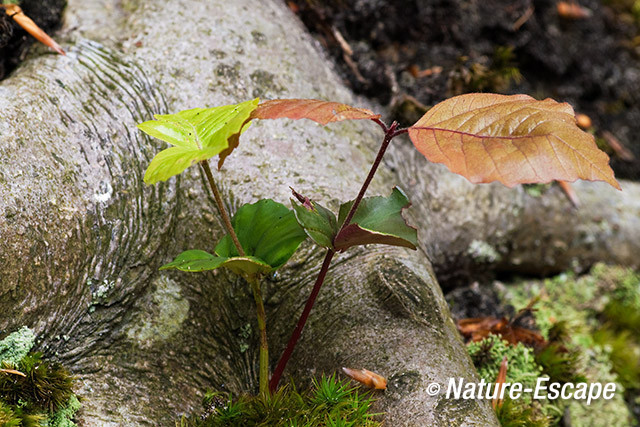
(16, 345)
(330, 402)
(196, 135)
(196, 260)
(377, 220)
(267, 230)
(560, 364)
(317, 221)
(63, 417)
(268, 233)
(488, 354)
(47, 385)
(515, 413)
(594, 317)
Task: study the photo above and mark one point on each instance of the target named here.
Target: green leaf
(267, 230)
(268, 233)
(197, 260)
(317, 221)
(197, 134)
(377, 220)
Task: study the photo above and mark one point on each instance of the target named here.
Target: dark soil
(592, 63)
(14, 41)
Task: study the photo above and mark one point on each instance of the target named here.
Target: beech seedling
(483, 137)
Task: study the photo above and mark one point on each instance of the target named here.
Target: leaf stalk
(262, 327)
(220, 205)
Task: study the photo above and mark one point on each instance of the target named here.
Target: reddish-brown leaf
(322, 112)
(478, 328)
(511, 139)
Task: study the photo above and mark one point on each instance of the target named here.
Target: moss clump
(330, 402)
(16, 345)
(486, 75)
(46, 386)
(488, 354)
(40, 393)
(594, 319)
(513, 413)
(63, 417)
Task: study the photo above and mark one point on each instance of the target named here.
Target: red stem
(286, 355)
(389, 133)
(388, 136)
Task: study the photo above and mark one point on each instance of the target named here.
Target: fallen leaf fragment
(416, 72)
(511, 139)
(478, 328)
(572, 10)
(322, 112)
(13, 371)
(568, 190)
(583, 121)
(500, 380)
(523, 19)
(15, 12)
(367, 378)
(617, 146)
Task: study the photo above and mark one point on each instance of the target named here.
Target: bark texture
(82, 237)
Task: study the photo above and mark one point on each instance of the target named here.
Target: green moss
(487, 75)
(43, 396)
(595, 319)
(63, 417)
(513, 413)
(46, 386)
(488, 354)
(16, 345)
(330, 402)
(536, 190)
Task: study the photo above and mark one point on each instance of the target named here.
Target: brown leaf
(14, 11)
(367, 378)
(478, 328)
(511, 139)
(322, 112)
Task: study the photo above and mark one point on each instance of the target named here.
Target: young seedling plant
(483, 137)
